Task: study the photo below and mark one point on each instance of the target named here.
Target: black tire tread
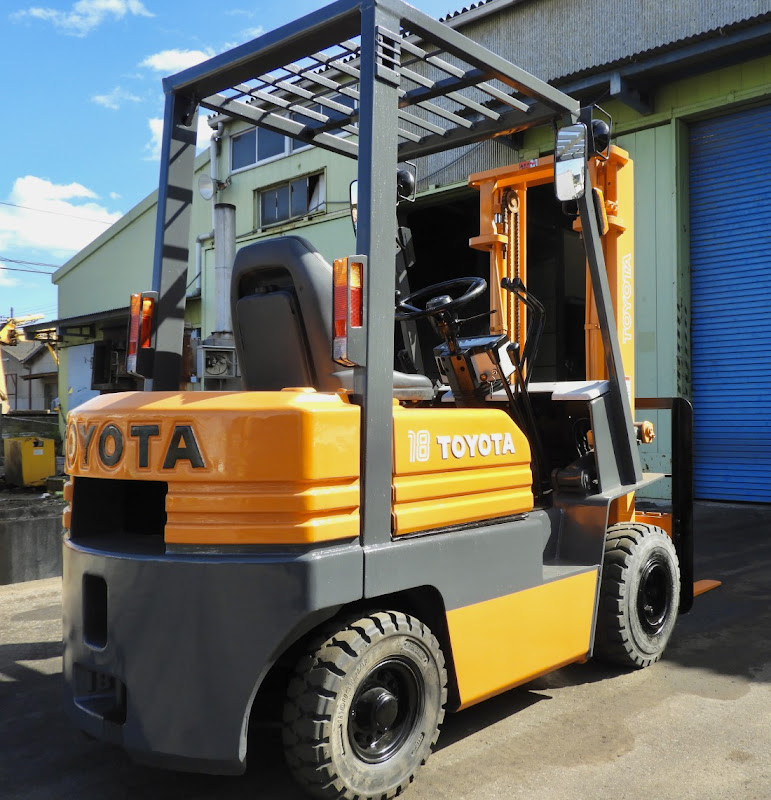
(314, 684)
(613, 640)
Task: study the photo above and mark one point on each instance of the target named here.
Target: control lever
(519, 399)
(535, 323)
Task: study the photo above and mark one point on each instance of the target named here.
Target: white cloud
(171, 61)
(246, 35)
(153, 147)
(71, 218)
(203, 135)
(85, 15)
(114, 99)
(6, 279)
(114, 196)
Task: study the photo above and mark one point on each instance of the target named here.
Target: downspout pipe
(199, 240)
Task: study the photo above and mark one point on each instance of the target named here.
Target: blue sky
(83, 100)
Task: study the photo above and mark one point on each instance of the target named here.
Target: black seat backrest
(281, 305)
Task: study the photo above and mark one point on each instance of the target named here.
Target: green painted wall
(657, 281)
(119, 262)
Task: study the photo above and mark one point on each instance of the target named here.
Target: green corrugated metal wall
(654, 152)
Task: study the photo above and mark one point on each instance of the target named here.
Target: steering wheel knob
(436, 302)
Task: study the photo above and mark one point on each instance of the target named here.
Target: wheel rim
(654, 595)
(385, 709)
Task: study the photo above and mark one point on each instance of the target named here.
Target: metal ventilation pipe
(224, 255)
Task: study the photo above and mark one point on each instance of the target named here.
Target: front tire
(639, 595)
(364, 707)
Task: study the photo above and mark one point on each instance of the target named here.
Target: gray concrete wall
(30, 537)
(43, 425)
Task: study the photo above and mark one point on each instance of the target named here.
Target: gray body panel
(467, 566)
(192, 637)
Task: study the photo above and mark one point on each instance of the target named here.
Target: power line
(21, 269)
(29, 263)
(56, 213)
(40, 309)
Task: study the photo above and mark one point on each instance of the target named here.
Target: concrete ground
(695, 725)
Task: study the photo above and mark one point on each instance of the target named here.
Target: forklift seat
(281, 305)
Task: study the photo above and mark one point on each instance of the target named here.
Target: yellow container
(29, 461)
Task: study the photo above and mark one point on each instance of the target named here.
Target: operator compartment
(213, 468)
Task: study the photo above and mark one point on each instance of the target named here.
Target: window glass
(269, 144)
(292, 200)
(299, 197)
(268, 207)
(274, 205)
(243, 149)
(282, 203)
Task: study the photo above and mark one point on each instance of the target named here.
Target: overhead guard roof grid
(303, 81)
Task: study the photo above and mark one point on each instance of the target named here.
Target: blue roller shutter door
(730, 218)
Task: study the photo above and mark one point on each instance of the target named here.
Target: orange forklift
(342, 547)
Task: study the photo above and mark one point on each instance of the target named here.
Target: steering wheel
(472, 288)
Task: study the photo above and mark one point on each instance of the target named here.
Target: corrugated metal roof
(717, 33)
(465, 10)
(554, 39)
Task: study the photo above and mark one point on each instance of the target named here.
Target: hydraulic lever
(519, 399)
(535, 323)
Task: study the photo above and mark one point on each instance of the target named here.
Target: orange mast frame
(503, 233)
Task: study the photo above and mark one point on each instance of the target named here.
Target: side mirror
(598, 127)
(405, 190)
(405, 185)
(570, 162)
(353, 193)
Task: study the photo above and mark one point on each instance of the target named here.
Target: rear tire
(364, 707)
(639, 595)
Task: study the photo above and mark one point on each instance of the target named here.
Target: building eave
(83, 320)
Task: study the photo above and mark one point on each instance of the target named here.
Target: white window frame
(257, 162)
(321, 208)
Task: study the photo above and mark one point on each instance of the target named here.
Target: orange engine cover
(241, 467)
(283, 467)
(457, 465)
